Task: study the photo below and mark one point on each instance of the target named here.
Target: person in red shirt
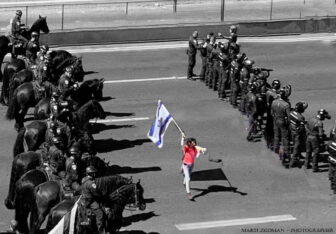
(190, 151)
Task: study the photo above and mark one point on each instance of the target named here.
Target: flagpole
(177, 126)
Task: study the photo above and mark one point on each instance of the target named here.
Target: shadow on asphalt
(137, 232)
(216, 189)
(136, 218)
(104, 99)
(99, 127)
(90, 72)
(108, 145)
(115, 169)
(211, 174)
(119, 114)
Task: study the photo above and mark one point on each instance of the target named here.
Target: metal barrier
(84, 14)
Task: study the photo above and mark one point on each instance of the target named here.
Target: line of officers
(267, 106)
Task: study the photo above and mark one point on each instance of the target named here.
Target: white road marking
(118, 120)
(234, 222)
(146, 79)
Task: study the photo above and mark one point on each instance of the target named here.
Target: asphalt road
(263, 187)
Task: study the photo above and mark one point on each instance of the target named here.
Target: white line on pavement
(118, 120)
(146, 79)
(233, 222)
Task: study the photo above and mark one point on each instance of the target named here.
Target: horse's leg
(21, 216)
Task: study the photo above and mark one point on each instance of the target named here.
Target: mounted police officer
(66, 84)
(280, 111)
(298, 131)
(271, 95)
(16, 29)
(91, 197)
(33, 47)
(315, 138)
(191, 52)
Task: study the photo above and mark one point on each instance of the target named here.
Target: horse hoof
(9, 205)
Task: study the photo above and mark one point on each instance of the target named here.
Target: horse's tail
(13, 107)
(19, 142)
(13, 84)
(11, 191)
(34, 215)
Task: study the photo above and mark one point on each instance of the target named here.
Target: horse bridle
(133, 206)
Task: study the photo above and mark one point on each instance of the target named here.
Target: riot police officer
(252, 112)
(191, 52)
(91, 197)
(235, 68)
(331, 147)
(315, 137)
(209, 61)
(224, 64)
(33, 47)
(271, 95)
(280, 111)
(245, 75)
(298, 131)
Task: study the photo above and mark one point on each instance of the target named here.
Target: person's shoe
(189, 196)
(316, 170)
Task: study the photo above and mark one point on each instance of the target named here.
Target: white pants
(187, 169)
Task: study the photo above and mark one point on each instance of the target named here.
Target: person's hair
(190, 140)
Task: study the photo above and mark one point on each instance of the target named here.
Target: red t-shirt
(189, 154)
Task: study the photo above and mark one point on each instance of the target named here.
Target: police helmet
(56, 140)
(35, 34)
(253, 86)
(74, 149)
(276, 84)
(224, 46)
(248, 63)
(195, 34)
(233, 28)
(45, 47)
(19, 12)
(90, 170)
(301, 106)
(323, 114)
(283, 93)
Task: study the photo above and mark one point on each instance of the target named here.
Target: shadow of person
(105, 99)
(99, 127)
(216, 189)
(108, 145)
(138, 217)
(115, 169)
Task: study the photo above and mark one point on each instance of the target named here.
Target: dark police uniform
(192, 50)
(298, 131)
(209, 69)
(271, 95)
(16, 28)
(252, 112)
(245, 75)
(203, 54)
(332, 164)
(315, 135)
(90, 198)
(224, 63)
(32, 48)
(280, 111)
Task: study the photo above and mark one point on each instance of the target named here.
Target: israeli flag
(160, 124)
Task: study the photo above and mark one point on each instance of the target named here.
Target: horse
(10, 70)
(50, 193)
(21, 164)
(39, 25)
(24, 97)
(118, 192)
(24, 197)
(88, 90)
(90, 110)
